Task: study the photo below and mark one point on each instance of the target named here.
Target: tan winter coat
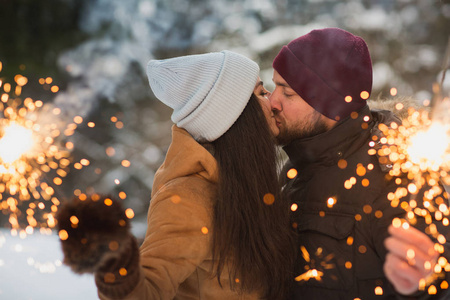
(175, 256)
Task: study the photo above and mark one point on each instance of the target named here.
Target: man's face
(295, 118)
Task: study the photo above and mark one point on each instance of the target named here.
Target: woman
(217, 226)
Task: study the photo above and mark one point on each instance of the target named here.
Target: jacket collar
(339, 142)
(185, 157)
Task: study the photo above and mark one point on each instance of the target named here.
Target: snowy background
(96, 51)
(31, 269)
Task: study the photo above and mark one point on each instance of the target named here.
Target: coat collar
(339, 142)
(185, 157)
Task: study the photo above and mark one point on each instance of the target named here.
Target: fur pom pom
(97, 230)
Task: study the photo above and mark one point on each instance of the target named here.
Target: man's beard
(313, 127)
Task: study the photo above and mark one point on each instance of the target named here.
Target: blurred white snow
(31, 269)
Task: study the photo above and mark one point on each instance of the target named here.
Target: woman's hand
(411, 257)
(94, 233)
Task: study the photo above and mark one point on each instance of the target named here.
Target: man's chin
(283, 139)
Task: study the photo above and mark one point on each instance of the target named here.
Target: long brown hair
(251, 233)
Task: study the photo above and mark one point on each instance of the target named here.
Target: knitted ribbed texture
(108, 279)
(207, 92)
(329, 68)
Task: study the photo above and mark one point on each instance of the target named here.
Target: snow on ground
(31, 269)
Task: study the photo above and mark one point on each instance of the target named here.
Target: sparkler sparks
(33, 159)
(420, 150)
(315, 265)
(16, 141)
(430, 147)
(310, 274)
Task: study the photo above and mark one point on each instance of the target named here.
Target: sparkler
(420, 149)
(315, 265)
(32, 149)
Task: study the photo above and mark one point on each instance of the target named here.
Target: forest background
(96, 51)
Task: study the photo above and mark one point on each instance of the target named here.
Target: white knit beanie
(207, 92)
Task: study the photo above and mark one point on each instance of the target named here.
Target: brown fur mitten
(98, 232)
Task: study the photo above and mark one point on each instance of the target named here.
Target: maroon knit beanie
(326, 67)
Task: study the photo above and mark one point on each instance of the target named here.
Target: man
(337, 188)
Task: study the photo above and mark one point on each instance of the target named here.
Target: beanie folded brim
(224, 103)
(315, 91)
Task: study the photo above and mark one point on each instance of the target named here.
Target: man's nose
(275, 103)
